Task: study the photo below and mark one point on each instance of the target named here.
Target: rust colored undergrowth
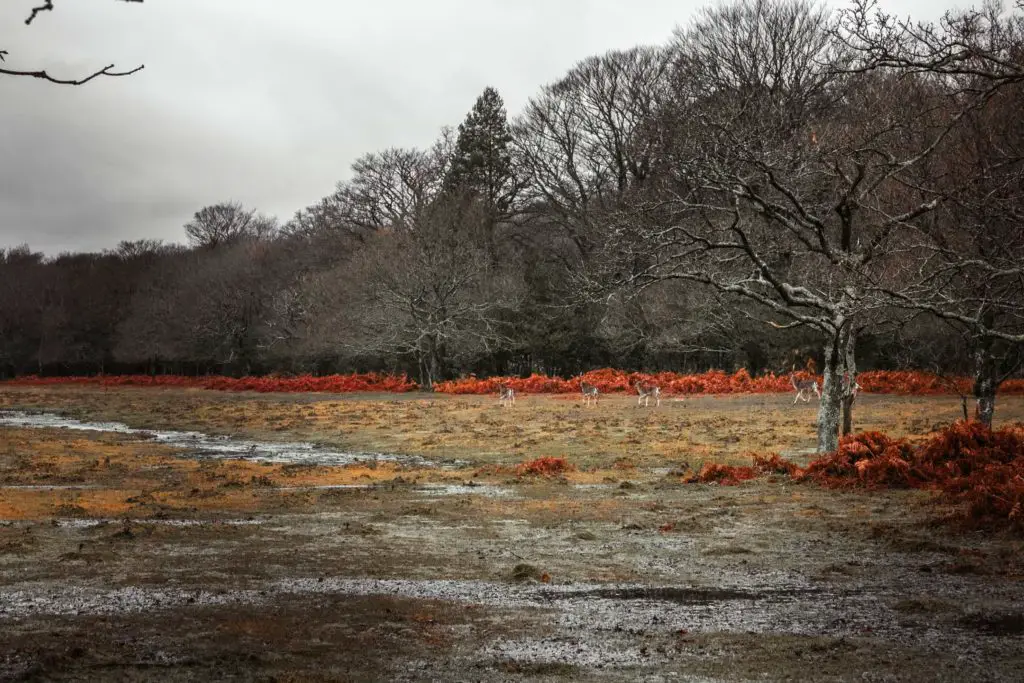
(611, 381)
(608, 381)
(970, 465)
(867, 459)
(726, 475)
(545, 467)
(730, 475)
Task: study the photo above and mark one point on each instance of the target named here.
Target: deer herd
(646, 391)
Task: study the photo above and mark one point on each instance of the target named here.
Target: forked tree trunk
(850, 374)
(426, 377)
(431, 362)
(831, 397)
(985, 382)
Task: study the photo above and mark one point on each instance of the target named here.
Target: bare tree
(924, 342)
(328, 218)
(22, 289)
(983, 46)
(969, 271)
(675, 319)
(389, 189)
(207, 306)
(431, 293)
(783, 178)
(108, 70)
(154, 327)
(228, 223)
(581, 142)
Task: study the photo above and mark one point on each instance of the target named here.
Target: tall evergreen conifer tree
(482, 163)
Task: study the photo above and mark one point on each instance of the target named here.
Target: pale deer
(589, 393)
(855, 389)
(506, 395)
(803, 388)
(646, 391)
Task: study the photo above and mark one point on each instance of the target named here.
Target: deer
(852, 386)
(646, 391)
(589, 393)
(506, 395)
(856, 389)
(803, 388)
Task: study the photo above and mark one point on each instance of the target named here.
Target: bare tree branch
(47, 6)
(105, 71)
(108, 70)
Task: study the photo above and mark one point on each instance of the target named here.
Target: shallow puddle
(199, 445)
(76, 523)
(465, 490)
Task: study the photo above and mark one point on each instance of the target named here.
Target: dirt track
(238, 570)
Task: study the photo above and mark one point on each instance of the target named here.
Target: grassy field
(125, 559)
(477, 429)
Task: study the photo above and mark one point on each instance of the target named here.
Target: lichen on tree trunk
(985, 382)
(433, 362)
(831, 397)
(849, 375)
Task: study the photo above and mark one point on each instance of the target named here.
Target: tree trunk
(426, 380)
(847, 414)
(850, 373)
(432, 364)
(985, 382)
(831, 398)
(434, 367)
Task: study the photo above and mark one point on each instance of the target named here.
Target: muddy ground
(126, 558)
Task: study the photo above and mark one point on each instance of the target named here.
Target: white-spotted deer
(589, 393)
(804, 387)
(646, 391)
(506, 395)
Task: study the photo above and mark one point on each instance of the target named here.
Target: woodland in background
(780, 182)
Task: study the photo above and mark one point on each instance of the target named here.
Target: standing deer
(506, 395)
(855, 389)
(589, 393)
(646, 391)
(803, 388)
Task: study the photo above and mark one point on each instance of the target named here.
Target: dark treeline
(778, 182)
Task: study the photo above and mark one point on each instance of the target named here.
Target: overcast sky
(261, 101)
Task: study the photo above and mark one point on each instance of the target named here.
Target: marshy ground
(124, 558)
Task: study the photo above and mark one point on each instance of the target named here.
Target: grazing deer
(804, 387)
(506, 395)
(645, 392)
(589, 392)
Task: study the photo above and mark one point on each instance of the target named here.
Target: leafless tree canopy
(778, 183)
(227, 223)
